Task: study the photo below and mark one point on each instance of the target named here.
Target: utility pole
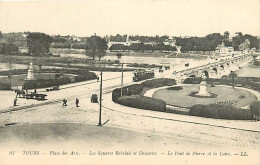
(10, 73)
(122, 80)
(10, 69)
(100, 100)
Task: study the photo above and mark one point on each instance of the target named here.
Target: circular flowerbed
(225, 96)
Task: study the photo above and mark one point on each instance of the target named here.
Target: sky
(132, 17)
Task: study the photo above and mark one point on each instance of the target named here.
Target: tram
(142, 75)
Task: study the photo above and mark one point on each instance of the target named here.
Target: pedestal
(203, 89)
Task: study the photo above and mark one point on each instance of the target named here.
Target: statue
(30, 75)
(203, 88)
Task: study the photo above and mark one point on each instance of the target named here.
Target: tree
(1, 35)
(233, 75)
(8, 48)
(226, 35)
(96, 46)
(38, 43)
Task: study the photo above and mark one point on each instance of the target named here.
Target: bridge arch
(206, 73)
(215, 69)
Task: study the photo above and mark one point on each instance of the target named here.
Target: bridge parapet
(219, 68)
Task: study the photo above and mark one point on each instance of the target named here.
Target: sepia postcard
(129, 82)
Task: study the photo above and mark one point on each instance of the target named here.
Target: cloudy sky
(143, 17)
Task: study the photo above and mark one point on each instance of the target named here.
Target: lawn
(181, 97)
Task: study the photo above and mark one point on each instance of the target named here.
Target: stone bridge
(219, 68)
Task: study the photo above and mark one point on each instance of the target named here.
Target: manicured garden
(225, 95)
(227, 104)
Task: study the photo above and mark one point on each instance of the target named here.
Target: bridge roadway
(219, 65)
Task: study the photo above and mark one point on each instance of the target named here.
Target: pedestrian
(35, 91)
(64, 102)
(15, 101)
(77, 102)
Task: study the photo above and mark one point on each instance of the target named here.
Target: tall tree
(38, 43)
(96, 47)
(226, 35)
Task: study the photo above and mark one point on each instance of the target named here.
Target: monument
(203, 87)
(30, 74)
(178, 49)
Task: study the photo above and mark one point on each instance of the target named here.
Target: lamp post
(10, 69)
(100, 99)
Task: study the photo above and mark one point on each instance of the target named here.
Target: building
(170, 41)
(128, 42)
(221, 48)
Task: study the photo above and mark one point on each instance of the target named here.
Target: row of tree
(141, 47)
(39, 43)
(69, 45)
(211, 41)
(143, 39)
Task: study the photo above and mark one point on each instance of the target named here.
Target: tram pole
(100, 100)
(10, 69)
(122, 80)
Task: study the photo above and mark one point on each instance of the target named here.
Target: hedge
(85, 76)
(14, 72)
(46, 83)
(255, 108)
(220, 112)
(131, 95)
(192, 80)
(134, 89)
(158, 82)
(143, 102)
(4, 86)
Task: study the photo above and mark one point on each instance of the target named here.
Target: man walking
(15, 101)
(77, 102)
(64, 102)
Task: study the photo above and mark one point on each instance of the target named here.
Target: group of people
(65, 102)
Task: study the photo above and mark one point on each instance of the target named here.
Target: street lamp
(100, 99)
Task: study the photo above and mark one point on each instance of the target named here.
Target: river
(250, 70)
